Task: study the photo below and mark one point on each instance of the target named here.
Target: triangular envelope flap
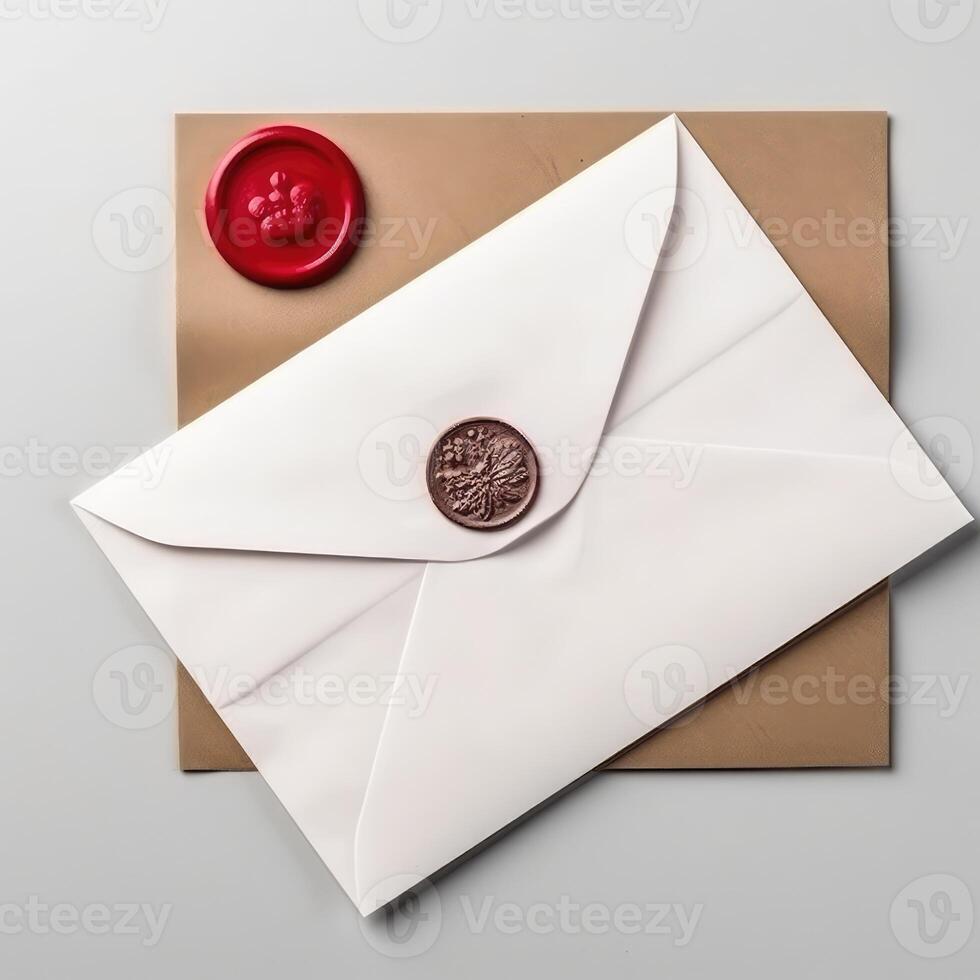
(530, 323)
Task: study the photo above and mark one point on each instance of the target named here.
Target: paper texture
(436, 181)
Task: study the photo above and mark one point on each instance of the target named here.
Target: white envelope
(750, 481)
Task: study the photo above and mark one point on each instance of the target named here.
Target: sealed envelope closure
(482, 474)
(590, 320)
(532, 322)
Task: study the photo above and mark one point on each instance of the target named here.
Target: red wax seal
(284, 207)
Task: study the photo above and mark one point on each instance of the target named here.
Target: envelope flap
(531, 323)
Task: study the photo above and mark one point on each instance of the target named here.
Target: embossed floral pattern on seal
(288, 211)
(483, 474)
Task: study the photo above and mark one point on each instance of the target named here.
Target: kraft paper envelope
(436, 181)
(264, 547)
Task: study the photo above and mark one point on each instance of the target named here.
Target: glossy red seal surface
(284, 207)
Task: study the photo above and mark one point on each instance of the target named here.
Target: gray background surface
(793, 873)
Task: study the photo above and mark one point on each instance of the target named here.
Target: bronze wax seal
(483, 474)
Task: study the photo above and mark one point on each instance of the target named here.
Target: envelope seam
(323, 639)
(770, 450)
(785, 308)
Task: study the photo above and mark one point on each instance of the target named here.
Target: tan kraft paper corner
(817, 181)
